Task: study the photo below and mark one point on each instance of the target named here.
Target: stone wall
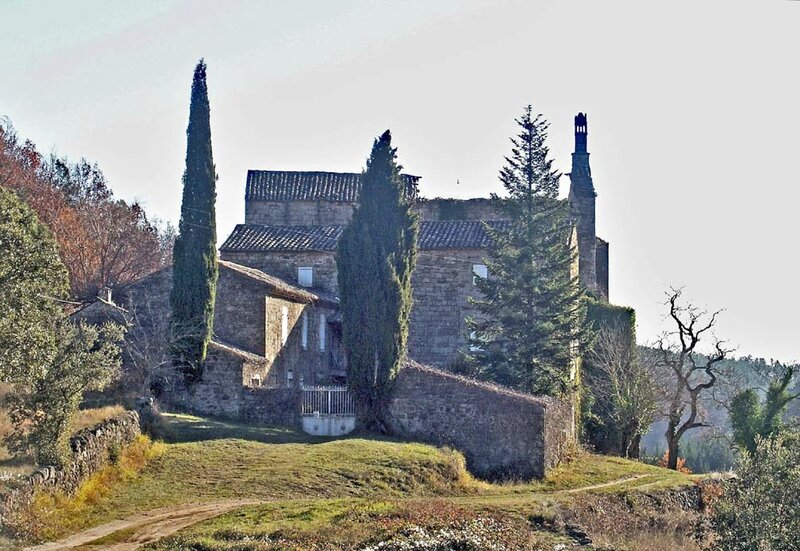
(456, 209)
(293, 363)
(325, 213)
(227, 390)
(503, 434)
(298, 213)
(90, 451)
(284, 264)
(442, 284)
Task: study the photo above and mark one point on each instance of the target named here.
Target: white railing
(327, 400)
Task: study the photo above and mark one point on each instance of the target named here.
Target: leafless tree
(147, 361)
(687, 372)
(623, 384)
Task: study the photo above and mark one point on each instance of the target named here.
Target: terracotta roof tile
(451, 234)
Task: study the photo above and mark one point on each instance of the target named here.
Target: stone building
(267, 332)
(293, 221)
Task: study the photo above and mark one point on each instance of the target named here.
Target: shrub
(759, 510)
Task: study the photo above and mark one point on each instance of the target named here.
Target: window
(479, 270)
(284, 324)
(304, 332)
(305, 277)
(322, 332)
(289, 377)
(255, 380)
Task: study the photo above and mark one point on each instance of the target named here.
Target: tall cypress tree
(195, 253)
(375, 258)
(532, 322)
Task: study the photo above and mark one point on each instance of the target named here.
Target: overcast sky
(694, 109)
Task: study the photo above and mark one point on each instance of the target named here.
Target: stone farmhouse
(277, 326)
(294, 219)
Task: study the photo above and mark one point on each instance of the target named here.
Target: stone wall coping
(542, 401)
(227, 348)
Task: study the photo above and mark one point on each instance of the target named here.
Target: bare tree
(623, 386)
(687, 372)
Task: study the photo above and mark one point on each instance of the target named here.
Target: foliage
(680, 464)
(759, 507)
(685, 373)
(623, 392)
(50, 361)
(102, 240)
(44, 405)
(32, 280)
(375, 258)
(195, 254)
(751, 418)
(531, 326)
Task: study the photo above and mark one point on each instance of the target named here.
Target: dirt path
(617, 482)
(151, 526)
(146, 527)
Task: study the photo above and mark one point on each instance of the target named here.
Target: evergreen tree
(32, 280)
(375, 258)
(532, 322)
(751, 419)
(49, 360)
(195, 253)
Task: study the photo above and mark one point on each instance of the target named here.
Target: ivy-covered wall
(596, 428)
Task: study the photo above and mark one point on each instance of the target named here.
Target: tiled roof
(253, 237)
(451, 234)
(283, 185)
(455, 234)
(276, 285)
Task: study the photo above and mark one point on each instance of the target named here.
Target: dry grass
(346, 525)
(637, 521)
(90, 417)
(14, 466)
(51, 514)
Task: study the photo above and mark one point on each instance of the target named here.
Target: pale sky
(694, 110)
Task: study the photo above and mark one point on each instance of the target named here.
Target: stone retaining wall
(503, 434)
(90, 451)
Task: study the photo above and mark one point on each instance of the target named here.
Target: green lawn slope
(313, 487)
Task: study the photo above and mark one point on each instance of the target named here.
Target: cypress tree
(531, 324)
(375, 258)
(195, 253)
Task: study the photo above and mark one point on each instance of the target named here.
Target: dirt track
(145, 527)
(153, 525)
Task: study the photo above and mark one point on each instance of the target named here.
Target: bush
(759, 510)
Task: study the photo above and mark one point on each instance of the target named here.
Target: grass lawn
(315, 486)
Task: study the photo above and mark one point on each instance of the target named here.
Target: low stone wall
(503, 434)
(222, 392)
(90, 451)
(272, 406)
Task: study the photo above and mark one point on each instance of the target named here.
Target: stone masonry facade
(293, 220)
(504, 435)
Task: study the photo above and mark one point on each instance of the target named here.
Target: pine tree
(195, 253)
(375, 258)
(531, 324)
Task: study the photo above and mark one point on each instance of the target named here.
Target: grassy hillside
(313, 487)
